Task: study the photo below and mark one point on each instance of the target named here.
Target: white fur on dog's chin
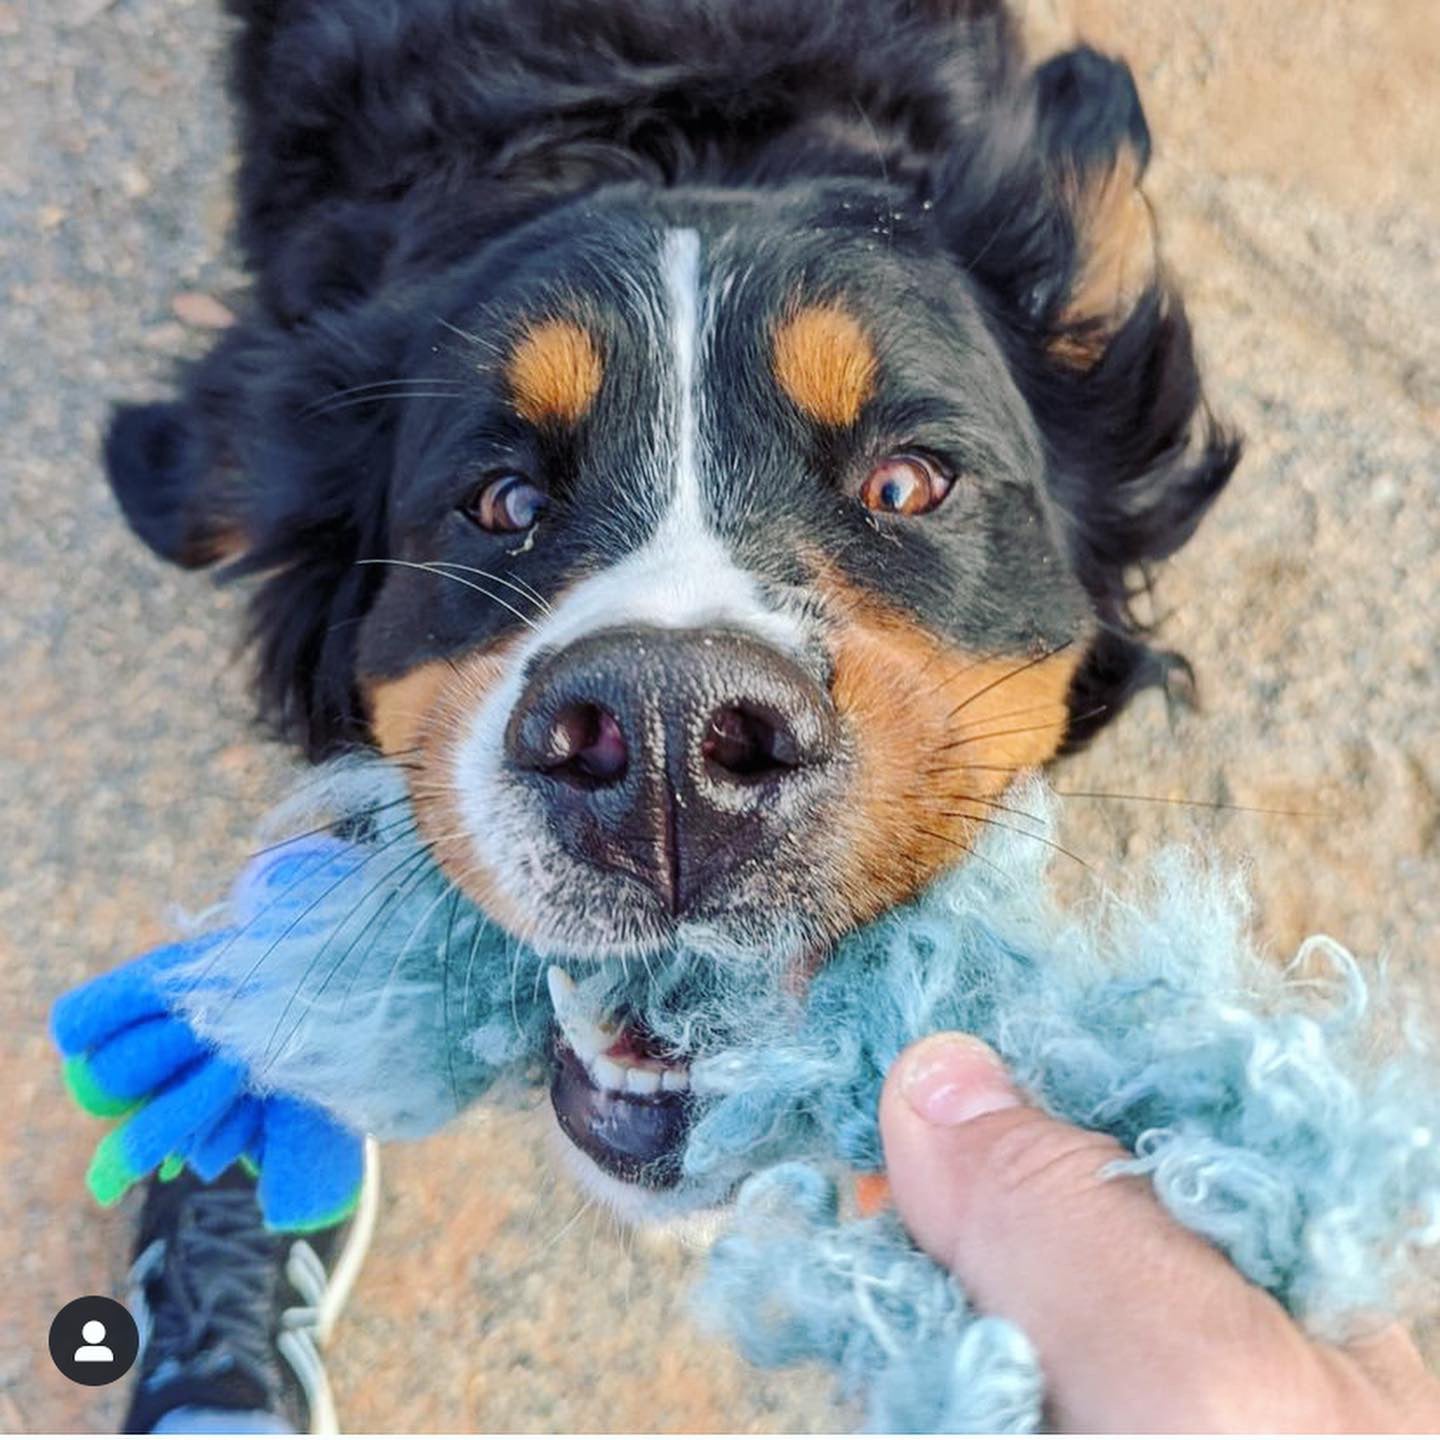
(682, 577)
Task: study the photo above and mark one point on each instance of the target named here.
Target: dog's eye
(905, 484)
(505, 502)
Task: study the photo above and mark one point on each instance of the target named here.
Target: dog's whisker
(414, 859)
(967, 798)
(1196, 804)
(329, 826)
(445, 1001)
(951, 842)
(586, 1205)
(464, 334)
(519, 586)
(413, 884)
(430, 569)
(481, 930)
(1010, 675)
(954, 676)
(249, 975)
(380, 386)
(1059, 705)
(315, 411)
(1014, 830)
(966, 740)
(213, 960)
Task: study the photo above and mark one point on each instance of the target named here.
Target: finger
(1138, 1323)
(236, 1131)
(1391, 1364)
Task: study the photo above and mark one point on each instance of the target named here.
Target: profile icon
(94, 1340)
(92, 1352)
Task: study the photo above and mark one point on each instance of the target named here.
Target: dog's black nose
(671, 756)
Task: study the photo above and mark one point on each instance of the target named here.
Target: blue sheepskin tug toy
(352, 989)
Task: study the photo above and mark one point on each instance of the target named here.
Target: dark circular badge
(94, 1340)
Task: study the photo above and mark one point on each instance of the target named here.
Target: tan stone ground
(1296, 176)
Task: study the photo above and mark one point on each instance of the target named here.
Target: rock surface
(1297, 183)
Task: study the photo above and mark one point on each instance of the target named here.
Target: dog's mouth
(619, 1096)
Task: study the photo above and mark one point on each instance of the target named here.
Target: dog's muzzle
(675, 762)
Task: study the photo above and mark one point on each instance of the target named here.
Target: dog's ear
(1045, 210)
(174, 466)
(1092, 134)
(1048, 219)
(333, 258)
(265, 430)
(276, 459)
(166, 486)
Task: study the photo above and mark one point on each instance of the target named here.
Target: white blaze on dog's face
(591, 706)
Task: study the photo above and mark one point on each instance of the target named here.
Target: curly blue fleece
(352, 980)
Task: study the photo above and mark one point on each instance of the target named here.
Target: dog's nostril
(586, 746)
(744, 743)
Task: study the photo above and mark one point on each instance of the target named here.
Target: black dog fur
(385, 141)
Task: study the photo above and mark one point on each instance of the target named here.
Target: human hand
(1140, 1325)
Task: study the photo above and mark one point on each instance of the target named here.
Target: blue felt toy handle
(178, 1102)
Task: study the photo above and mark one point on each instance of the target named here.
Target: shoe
(232, 1316)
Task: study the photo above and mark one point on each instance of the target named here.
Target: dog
(712, 445)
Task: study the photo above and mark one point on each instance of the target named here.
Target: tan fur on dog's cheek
(424, 715)
(936, 733)
(401, 709)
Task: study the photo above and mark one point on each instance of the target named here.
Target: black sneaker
(233, 1317)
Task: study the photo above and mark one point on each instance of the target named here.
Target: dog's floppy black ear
(1045, 211)
(166, 485)
(256, 465)
(1089, 110)
(1092, 134)
(1048, 218)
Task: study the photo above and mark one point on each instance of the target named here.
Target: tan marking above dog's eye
(906, 484)
(825, 363)
(555, 372)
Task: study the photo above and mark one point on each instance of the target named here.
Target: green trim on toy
(110, 1174)
(247, 1163)
(89, 1094)
(322, 1222)
(170, 1167)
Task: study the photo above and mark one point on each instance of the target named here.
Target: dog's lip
(638, 1138)
(620, 1096)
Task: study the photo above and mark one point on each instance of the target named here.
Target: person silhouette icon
(94, 1340)
(92, 1351)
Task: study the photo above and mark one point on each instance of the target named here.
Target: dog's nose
(671, 756)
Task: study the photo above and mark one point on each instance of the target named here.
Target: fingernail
(949, 1079)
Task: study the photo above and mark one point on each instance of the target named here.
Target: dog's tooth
(642, 1082)
(561, 988)
(675, 1079)
(584, 1036)
(586, 1045)
(606, 1073)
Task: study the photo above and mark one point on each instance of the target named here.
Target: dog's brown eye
(905, 484)
(506, 502)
